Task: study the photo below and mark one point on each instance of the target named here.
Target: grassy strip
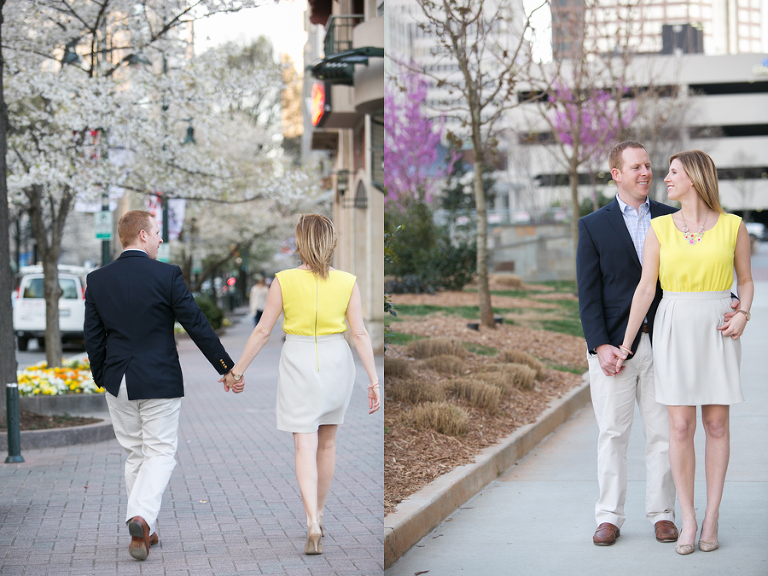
(400, 339)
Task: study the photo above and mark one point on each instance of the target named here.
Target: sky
(282, 23)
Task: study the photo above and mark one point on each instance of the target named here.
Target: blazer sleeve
(589, 280)
(95, 336)
(190, 316)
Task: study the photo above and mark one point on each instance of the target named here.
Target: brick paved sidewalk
(233, 505)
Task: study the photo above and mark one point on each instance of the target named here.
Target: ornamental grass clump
(74, 377)
(447, 364)
(478, 394)
(397, 368)
(509, 377)
(429, 347)
(520, 357)
(441, 417)
(508, 281)
(414, 391)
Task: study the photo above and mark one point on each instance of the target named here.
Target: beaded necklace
(693, 238)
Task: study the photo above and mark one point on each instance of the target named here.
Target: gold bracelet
(628, 350)
(372, 386)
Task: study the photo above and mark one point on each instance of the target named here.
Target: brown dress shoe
(606, 534)
(153, 539)
(666, 531)
(139, 531)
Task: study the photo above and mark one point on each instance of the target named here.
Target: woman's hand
(374, 397)
(734, 327)
(229, 383)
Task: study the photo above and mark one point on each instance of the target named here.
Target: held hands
(610, 359)
(374, 397)
(229, 383)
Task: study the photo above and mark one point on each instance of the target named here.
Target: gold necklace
(693, 238)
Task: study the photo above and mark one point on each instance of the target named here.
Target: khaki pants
(148, 430)
(613, 398)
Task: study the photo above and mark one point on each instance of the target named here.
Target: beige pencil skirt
(693, 363)
(314, 382)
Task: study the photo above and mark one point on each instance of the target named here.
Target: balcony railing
(338, 33)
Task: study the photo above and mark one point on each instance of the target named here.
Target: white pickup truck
(29, 305)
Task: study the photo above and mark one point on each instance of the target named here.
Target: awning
(340, 68)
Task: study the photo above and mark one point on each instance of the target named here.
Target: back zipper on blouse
(317, 300)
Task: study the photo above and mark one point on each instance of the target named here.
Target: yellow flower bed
(74, 377)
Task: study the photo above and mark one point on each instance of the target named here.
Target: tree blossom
(411, 143)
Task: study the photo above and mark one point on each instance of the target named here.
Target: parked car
(756, 230)
(29, 306)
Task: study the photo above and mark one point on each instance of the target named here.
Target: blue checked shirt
(637, 223)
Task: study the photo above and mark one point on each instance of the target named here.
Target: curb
(72, 404)
(58, 437)
(421, 512)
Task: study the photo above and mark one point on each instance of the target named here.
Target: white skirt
(693, 363)
(314, 382)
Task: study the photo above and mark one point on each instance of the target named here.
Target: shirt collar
(624, 206)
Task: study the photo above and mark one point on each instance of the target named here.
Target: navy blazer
(131, 305)
(607, 273)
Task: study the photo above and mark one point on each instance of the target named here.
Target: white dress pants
(613, 398)
(148, 430)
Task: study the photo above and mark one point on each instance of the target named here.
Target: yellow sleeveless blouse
(313, 306)
(704, 266)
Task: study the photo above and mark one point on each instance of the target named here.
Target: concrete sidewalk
(538, 517)
(233, 505)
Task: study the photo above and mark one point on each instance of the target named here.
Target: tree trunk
(573, 177)
(8, 349)
(50, 250)
(483, 290)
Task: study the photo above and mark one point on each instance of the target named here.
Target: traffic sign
(102, 224)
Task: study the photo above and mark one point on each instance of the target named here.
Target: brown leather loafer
(666, 531)
(606, 534)
(154, 539)
(139, 530)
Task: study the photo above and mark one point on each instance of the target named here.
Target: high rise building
(714, 27)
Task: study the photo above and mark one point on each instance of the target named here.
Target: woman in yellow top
(696, 352)
(316, 372)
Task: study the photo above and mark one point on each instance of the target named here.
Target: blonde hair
(703, 174)
(131, 223)
(315, 242)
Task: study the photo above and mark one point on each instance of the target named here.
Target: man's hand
(609, 357)
(734, 306)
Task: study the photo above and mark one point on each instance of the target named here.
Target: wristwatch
(237, 377)
(747, 314)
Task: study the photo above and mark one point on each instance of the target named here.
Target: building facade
(344, 105)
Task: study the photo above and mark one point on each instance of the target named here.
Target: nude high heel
(314, 542)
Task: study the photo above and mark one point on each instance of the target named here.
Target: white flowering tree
(100, 95)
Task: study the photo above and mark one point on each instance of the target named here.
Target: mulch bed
(33, 421)
(414, 458)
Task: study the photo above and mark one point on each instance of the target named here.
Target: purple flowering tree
(586, 124)
(411, 144)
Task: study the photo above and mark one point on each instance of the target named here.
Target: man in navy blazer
(131, 305)
(608, 270)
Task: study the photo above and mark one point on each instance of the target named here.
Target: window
(34, 288)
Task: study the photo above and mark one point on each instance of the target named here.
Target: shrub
(441, 417)
(435, 347)
(429, 258)
(519, 357)
(414, 391)
(396, 367)
(212, 312)
(446, 363)
(510, 376)
(478, 394)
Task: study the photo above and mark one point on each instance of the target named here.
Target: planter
(72, 404)
(57, 437)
